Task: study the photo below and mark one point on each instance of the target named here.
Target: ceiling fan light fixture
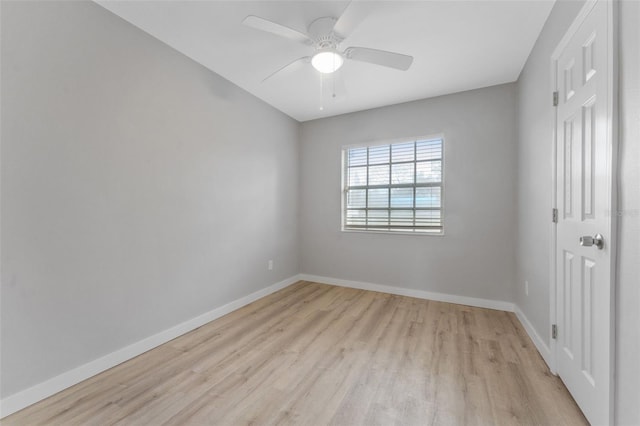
(327, 61)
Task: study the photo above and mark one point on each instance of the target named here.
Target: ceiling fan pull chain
(333, 80)
(321, 92)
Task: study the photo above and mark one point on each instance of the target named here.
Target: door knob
(597, 241)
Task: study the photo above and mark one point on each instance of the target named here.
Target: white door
(584, 200)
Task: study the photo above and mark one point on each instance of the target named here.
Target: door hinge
(554, 331)
(555, 98)
(554, 215)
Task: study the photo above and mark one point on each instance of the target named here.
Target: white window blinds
(395, 187)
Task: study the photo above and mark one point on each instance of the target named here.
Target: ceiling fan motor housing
(321, 31)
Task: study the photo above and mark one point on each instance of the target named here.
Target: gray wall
(534, 189)
(628, 297)
(535, 124)
(476, 256)
(139, 189)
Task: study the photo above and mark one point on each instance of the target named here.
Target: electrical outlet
(270, 265)
(526, 288)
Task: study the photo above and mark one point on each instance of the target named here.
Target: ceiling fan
(325, 35)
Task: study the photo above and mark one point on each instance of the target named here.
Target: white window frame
(344, 186)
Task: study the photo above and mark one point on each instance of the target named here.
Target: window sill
(418, 234)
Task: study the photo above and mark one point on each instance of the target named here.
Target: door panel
(588, 274)
(588, 164)
(583, 179)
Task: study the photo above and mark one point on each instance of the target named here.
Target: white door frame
(611, 103)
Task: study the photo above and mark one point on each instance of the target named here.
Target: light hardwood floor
(316, 354)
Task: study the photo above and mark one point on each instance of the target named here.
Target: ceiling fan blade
(291, 66)
(379, 57)
(351, 17)
(271, 27)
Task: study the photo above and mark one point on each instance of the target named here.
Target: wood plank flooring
(314, 354)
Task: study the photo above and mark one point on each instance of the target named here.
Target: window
(394, 187)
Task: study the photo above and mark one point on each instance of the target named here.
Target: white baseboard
(36, 393)
(538, 341)
(420, 294)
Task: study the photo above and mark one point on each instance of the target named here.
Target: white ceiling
(457, 46)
